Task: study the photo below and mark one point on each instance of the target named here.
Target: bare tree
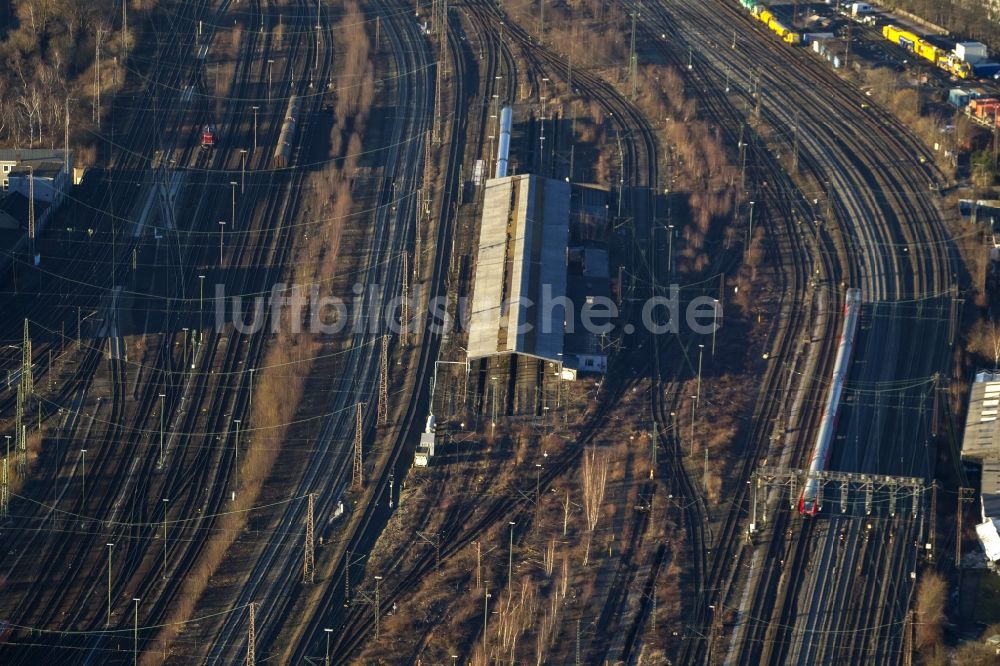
(931, 596)
(595, 477)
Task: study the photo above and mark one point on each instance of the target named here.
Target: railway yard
(302, 363)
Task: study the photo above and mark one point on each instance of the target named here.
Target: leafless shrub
(593, 481)
(931, 596)
(235, 41)
(984, 339)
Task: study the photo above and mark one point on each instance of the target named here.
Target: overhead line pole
(252, 636)
(383, 382)
(309, 560)
(632, 59)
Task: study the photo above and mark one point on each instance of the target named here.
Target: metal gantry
(383, 382)
(874, 488)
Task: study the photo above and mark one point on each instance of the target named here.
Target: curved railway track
(877, 201)
(639, 169)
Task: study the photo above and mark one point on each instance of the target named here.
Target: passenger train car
(811, 501)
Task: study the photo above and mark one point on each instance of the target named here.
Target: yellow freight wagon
(788, 36)
(904, 38)
(928, 51)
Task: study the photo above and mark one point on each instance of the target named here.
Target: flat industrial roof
(31, 155)
(41, 169)
(521, 262)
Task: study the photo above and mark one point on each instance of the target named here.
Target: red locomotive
(208, 136)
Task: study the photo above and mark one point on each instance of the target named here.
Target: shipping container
(971, 52)
(814, 37)
(986, 70)
(959, 97)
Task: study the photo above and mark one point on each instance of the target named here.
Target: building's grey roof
(981, 440)
(521, 258)
(595, 262)
(31, 155)
(40, 169)
(990, 484)
(593, 293)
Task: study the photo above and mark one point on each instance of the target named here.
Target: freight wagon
(984, 111)
(787, 35)
(903, 38)
(767, 17)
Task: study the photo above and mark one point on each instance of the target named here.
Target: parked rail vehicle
(984, 110)
(919, 46)
(767, 17)
(810, 501)
(283, 152)
(208, 136)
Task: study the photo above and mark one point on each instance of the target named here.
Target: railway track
(183, 486)
(639, 168)
(874, 198)
(278, 570)
(116, 428)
